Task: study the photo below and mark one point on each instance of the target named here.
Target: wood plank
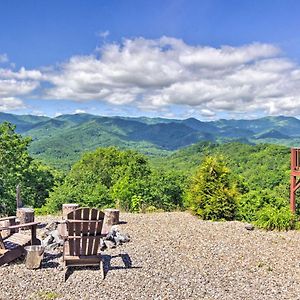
(10, 256)
(71, 232)
(93, 216)
(21, 226)
(85, 229)
(99, 224)
(78, 226)
(8, 218)
(18, 238)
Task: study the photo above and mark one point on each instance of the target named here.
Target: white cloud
(9, 87)
(21, 74)
(167, 72)
(79, 111)
(11, 103)
(17, 84)
(155, 73)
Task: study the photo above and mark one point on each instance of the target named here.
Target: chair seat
(16, 240)
(92, 260)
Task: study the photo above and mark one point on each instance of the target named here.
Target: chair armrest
(8, 218)
(20, 226)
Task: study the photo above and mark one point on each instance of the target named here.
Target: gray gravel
(173, 256)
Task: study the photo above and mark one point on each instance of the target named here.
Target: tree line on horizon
(230, 181)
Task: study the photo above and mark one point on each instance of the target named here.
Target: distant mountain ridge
(62, 139)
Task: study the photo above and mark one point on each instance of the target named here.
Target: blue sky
(207, 59)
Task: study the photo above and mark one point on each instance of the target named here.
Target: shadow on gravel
(50, 260)
(126, 260)
(41, 225)
(122, 222)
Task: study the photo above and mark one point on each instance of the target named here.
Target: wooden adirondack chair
(12, 246)
(81, 245)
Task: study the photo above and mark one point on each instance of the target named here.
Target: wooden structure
(18, 196)
(67, 208)
(7, 222)
(12, 246)
(295, 173)
(34, 256)
(25, 215)
(111, 218)
(81, 245)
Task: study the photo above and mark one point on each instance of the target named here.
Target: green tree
(105, 177)
(211, 194)
(166, 189)
(17, 167)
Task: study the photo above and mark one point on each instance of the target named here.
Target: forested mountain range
(61, 140)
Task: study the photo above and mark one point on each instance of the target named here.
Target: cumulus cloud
(167, 72)
(152, 74)
(10, 103)
(17, 84)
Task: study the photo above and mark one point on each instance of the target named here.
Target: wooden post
(34, 256)
(295, 172)
(25, 215)
(10, 221)
(67, 208)
(18, 196)
(111, 218)
(293, 194)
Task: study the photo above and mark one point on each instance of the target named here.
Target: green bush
(17, 167)
(110, 177)
(212, 194)
(271, 218)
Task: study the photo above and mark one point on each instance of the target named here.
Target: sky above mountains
(203, 59)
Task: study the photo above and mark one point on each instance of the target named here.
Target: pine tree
(212, 194)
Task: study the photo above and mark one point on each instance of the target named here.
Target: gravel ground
(172, 256)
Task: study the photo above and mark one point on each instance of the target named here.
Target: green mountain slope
(23, 122)
(269, 163)
(61, 140)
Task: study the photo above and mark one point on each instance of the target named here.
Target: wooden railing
(295, 159)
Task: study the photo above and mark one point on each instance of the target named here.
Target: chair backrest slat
(90, 232)
(98, 229)
(71, 231)
(94, 214)
(77, 229)
(85, 229)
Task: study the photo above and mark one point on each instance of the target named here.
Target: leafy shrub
(110, 177)
(17, 167)
(250, 203)
(271, 218)
(137, 203)
(211, 194)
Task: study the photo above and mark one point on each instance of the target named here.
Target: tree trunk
(67, 208)
(111, 218)
(25, 215)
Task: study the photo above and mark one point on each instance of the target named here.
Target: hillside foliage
(61, 141)
(18, 168)
(216, 181)
(110, 177)
(211, 194)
